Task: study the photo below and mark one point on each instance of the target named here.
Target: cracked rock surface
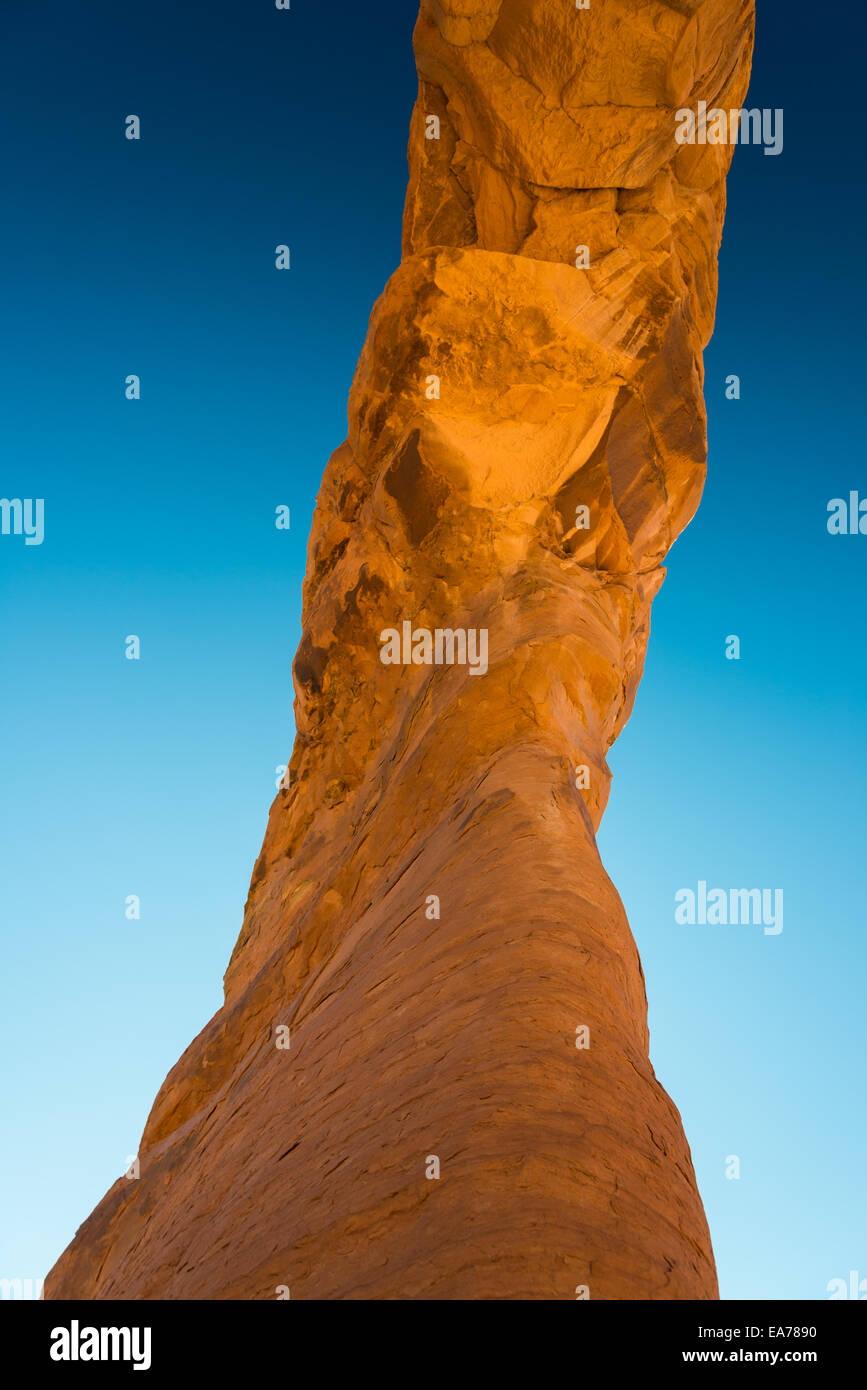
(429, 916)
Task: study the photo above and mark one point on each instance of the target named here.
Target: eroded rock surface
(502, 390)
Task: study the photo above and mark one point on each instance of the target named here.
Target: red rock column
(430, 1076)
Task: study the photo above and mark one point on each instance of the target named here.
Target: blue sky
(154, 777)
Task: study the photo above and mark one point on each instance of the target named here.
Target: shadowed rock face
(426, 788)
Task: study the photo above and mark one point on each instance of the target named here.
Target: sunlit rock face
(430, 1076)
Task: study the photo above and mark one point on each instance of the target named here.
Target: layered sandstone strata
(429, 917)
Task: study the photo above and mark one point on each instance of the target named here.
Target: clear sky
(154, 777)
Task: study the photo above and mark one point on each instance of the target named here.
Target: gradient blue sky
(154, 778)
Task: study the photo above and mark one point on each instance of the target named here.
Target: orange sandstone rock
(429, 925)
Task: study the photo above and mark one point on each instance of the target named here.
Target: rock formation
(429, 926)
